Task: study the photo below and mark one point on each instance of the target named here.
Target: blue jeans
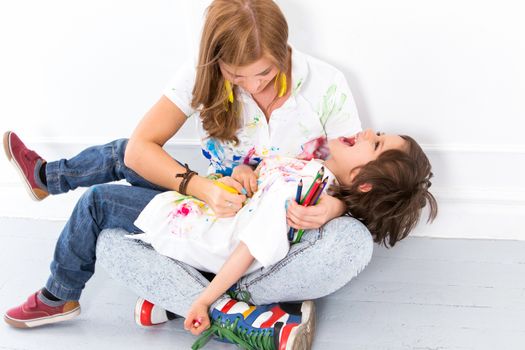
(324, 261)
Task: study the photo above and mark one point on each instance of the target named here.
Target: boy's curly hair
(400, 181)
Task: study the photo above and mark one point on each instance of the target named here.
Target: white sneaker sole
(43, 320)
(155, 317)
(302, 336)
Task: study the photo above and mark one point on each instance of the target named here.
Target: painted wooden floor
(433, 294)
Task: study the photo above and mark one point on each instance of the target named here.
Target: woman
(255, 96)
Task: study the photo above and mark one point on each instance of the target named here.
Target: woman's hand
(314, 216)
(223, 203)
(245, 175)
(197, 319)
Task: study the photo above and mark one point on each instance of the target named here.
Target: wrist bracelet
(186, 176)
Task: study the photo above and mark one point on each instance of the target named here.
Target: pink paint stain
(251, 152)
(316, 148)
(182, 210)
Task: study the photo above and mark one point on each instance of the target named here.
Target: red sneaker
(28, 164)
(34, 313)
(149, 314)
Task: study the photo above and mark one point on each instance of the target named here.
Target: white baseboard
(479, 190)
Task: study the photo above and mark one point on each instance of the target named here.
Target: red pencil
(311, 194)
(319, 191)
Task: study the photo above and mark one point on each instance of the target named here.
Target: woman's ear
(366, 187)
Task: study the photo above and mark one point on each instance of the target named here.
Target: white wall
(449, 73)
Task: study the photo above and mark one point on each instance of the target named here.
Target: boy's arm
(232, 270)
(237, 264)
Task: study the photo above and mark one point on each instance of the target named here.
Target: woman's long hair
(238, 32)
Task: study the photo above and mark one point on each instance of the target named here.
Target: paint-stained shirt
(320, 106)
(186, 229)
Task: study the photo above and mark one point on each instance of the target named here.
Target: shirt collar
(299, 70)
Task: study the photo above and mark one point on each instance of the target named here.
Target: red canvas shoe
(148, 314)
(34, 313)
(27, 163)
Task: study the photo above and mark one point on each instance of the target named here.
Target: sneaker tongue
(31, 301)
(29, 155)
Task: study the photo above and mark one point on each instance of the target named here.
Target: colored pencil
(225, 187)
(319, 191)
(314, 201)
(308, 200)
(319, 174)
(298, 200)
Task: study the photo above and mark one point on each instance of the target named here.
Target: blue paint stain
(215, 148)
(206, 154)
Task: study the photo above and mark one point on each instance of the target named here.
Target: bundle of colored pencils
(310, 198)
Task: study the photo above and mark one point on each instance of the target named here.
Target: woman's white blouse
(320, 106)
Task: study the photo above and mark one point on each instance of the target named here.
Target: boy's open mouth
(349, 141)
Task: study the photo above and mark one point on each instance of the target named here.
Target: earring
(229, 90)
(282, 81)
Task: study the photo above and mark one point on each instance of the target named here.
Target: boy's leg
(100, 207)
(94, 165)
(324, 261)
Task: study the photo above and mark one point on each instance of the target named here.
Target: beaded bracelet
(185, 179)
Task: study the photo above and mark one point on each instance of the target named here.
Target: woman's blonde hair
(238, 32)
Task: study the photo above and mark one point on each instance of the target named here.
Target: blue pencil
(298, 200)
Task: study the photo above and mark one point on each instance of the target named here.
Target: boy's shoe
(34, 313)
(283, 326)
(149, 314)
(27, 163)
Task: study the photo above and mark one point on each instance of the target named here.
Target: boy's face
(349, 153)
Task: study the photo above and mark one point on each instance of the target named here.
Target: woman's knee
(349, 243)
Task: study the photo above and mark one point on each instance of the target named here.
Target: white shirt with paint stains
(186, 229)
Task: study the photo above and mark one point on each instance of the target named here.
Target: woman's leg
(161, 280)
(324, 261)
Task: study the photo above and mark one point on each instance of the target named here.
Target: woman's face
(254, 77)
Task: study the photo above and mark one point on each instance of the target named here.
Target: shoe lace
(247, 339)
(241, 295)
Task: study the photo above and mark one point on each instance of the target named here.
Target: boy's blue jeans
(324, 261)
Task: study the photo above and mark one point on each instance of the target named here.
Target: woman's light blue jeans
(325, 260)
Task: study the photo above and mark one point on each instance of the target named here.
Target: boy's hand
(314, 216)
(245, 175)
(197, 320)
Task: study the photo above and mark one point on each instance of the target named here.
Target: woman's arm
(145, 155)
(144, 152)
(314, 216)
(232, 270)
